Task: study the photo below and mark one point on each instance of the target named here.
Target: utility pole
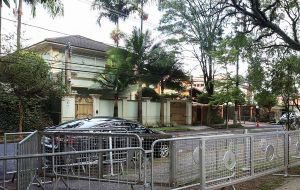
(191, 90)
(68, 52)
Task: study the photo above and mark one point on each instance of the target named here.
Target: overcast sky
(80, 19)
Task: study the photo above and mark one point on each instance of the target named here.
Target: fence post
(17, 167)
(100, 160)
(252, 155)
(172, 157)
(202, 163)
(40, 151)
(286, 154)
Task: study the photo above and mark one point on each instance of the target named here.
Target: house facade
(78, 60)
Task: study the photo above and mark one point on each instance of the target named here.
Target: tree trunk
(226, 119)
(116, 108)
(21, 116)
(162, 115)
(140, 119)
(19, 23)
(237, 86)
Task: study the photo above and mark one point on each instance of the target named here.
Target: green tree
(114, 10)
(230, 51)
(165, 70)
(227, 92)
(285, 80)
(266, 99)
(268, 20)
(197, 24)
(118, 74)
(140, 46)
(54, 7)
(25, 78)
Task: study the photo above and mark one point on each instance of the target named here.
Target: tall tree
(198, 24)
(274, 21)
(230, 51)
(165, 70)
(54, 7)
(114, 10)
(139, 45)
(118, 74)
(26, 77)
(285, 81)
(227, 92)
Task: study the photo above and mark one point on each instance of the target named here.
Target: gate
(27, 168)
(178, 112)
(83, 106)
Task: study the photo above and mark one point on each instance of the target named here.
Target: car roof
(89, 122)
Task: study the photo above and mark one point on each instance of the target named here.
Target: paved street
(11, 165)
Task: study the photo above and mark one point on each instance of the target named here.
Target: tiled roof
(81, 42)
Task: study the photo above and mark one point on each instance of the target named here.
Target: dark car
(112, 124)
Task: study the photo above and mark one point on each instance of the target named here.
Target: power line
(149, 76)
(46, 29)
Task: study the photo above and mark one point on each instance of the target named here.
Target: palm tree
(117, 75)
(114, 10)
(54, 7)
(139, 45)
(164, 69)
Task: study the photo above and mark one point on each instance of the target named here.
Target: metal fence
(215, 161)
(99, 160)
(76, 159)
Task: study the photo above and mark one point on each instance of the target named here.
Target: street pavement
(205, 130)
(10, 164)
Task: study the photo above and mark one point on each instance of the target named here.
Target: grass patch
(171, 129)
(271, 183)
(231, 126)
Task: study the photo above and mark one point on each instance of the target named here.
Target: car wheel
(164, 151)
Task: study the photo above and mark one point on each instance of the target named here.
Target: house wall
(90, 64)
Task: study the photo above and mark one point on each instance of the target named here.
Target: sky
(80, 19)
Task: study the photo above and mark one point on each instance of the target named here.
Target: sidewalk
(292, 183)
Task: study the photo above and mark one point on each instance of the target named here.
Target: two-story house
(78, 60)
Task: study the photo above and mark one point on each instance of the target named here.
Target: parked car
(284, 118)
(112, 124)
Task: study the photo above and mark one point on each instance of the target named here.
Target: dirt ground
(273, 182)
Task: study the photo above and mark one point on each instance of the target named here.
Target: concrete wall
(106, 108)
(127, 109)
(68, 108)
(132, 110)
